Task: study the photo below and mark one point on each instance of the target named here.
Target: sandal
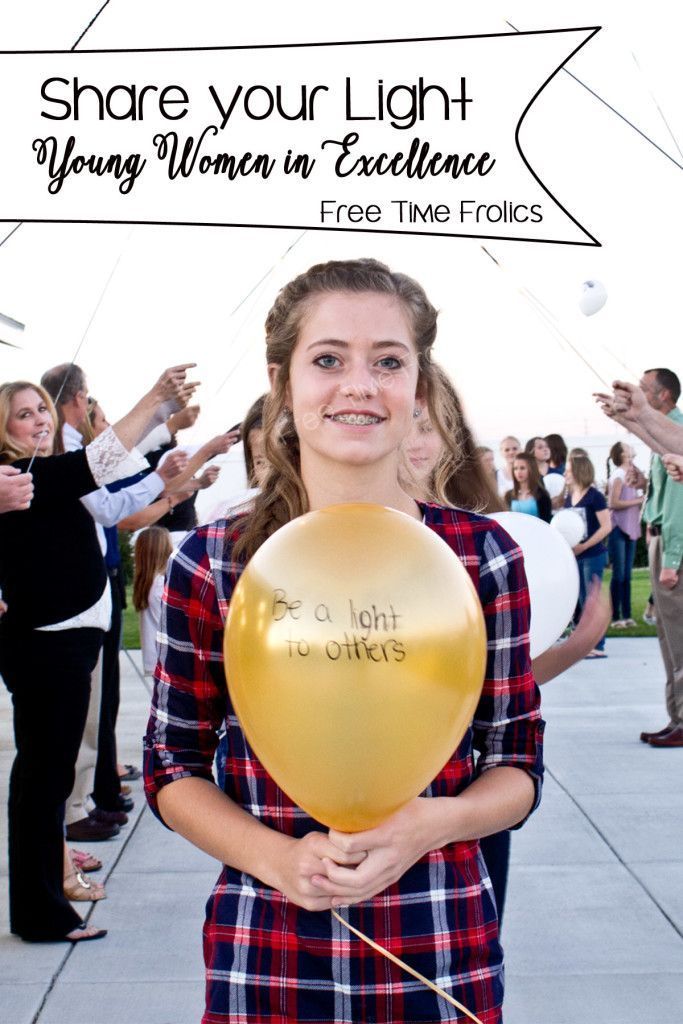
(85, 933)
(81, 888)
(130, 773)
(84, 861)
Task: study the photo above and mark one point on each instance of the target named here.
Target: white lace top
(108, 461)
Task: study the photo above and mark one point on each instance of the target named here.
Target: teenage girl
(528, 493)
(624, 501)
(591, 552)
(348, 351)
(153, 548)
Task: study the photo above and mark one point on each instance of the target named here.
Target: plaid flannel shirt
(268, 960)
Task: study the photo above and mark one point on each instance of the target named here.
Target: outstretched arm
(629, 406)
(592, 626)
(172, 385)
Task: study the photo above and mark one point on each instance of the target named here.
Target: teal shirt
(664, 507)
(528, 505)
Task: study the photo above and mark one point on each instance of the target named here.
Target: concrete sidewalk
(594, 924)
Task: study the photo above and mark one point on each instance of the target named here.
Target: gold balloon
(355, 653)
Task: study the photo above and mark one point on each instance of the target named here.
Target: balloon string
(85, 333)
(258, 288)
(90, 24)
(404, 967)
(554, 326)
(83, 33)
(659, 109)
(545, 315)
(614, 110)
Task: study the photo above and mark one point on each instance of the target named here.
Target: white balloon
(552, 575)
(593, 297)
(554, 484)
(570, 524)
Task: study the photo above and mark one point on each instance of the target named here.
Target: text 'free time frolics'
(363, 634)
(228, 136)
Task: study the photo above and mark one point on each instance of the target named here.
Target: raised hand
(183, 419)
(16, 489)
(208, 477)
(673, 464)
(174, 386)
(173, 465)
(222, 443)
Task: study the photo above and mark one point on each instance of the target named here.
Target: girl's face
(488, 462)
(627, 456)
(98, 420)
(568, 475)
(541, 450)
(520, 471)
(258, 455)
(508, 449)
(30, 423)
(353, 379)
(422, 448)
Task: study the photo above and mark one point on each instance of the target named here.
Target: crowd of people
(358, 411)
(546, 477)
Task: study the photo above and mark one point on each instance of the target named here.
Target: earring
(417, 411)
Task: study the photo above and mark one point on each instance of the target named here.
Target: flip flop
(594, 655)
(98, 934)
(79, 887)
(83, 861)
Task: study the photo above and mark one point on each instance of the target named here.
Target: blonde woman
(54, 582)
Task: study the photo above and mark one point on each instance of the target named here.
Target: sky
(133, 299)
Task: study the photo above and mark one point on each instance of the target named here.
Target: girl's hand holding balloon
(306, 859)
(386, 852)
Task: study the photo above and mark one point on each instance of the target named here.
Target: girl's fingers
(353, 842)
(327, 849)
(343, 879)
(334, 891)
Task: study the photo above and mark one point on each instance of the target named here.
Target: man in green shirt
(663, 513)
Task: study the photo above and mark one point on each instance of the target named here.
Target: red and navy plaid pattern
(267, 960)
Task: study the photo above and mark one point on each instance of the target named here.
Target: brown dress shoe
(109, 817)
(87, 830)
(669, 739)
(645, 737)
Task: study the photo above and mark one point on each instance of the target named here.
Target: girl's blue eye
(390, 363)
(328, 362)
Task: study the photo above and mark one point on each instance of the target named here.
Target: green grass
(640, 591)
(131, 629)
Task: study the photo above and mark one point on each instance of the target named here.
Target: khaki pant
(669, 611)
(79, 804)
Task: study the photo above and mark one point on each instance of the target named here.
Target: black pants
(107, 786)
(48, 675)
(496, 851)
